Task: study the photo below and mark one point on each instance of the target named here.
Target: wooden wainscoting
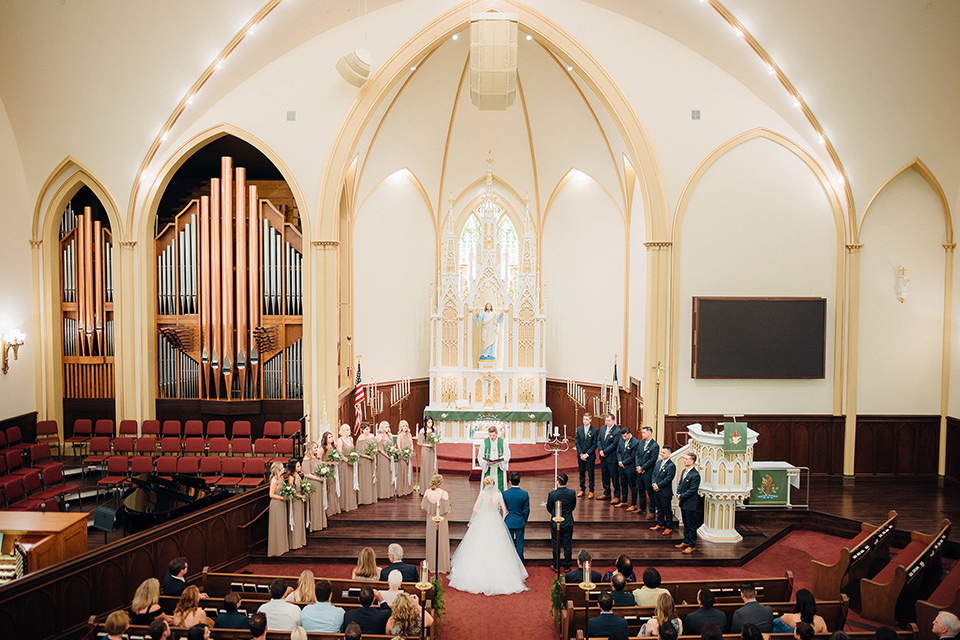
(27, 423)
(255, 411)
(566, 413)
(413, 406)
(952, 474)
(897, 445)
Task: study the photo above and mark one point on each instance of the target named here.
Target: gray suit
(753, 613)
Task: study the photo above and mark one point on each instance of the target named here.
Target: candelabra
(556, 445)
(576, 393)
(11, 340)
(374, 400)
(398, 393)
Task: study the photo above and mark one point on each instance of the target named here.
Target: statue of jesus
(489, 320)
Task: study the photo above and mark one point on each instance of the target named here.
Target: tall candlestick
(586, 571)
(557, 509)
(424, 574)
(438, 506)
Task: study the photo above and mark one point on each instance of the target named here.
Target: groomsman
(663, 474)
(562, 535)
(687, 489)
(586, 444)
(628, 460)
(609, 439)
(649, 454)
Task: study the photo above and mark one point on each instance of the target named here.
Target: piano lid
(156, 499)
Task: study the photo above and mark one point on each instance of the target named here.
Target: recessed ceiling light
(413, 68)
(569, 68)
(529, 37)
(455, 36)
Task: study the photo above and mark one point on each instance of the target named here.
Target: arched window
(468, 250)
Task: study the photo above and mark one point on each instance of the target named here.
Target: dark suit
(372, 620)
(753, 613)
(586, 443)
(627, 462)
(576, 576)
(609, 471)
(173, 586)
(408, 571)
(687, 489)
(694, 623)
(564, 533)
(622, 598)
(518, 510)
(649, 454)
(605, 624)
(231, 620)
(663, 473)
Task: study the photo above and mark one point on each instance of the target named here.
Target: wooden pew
(685, 591)
(910, 633)
(217, 585)
(834, 613)
(903, 575)
(851, 562)
(138, 632)
(946, 597)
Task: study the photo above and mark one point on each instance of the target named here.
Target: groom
(494, 458)
(518, 510)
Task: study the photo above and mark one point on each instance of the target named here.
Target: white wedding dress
(486, 560)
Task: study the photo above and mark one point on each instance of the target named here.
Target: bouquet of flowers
(371, 449)
(393, 452)
(287, 491)
(306, 489)
(406, 453)
(433, 438)
(353, 456)
(333, 455)
(324, 471)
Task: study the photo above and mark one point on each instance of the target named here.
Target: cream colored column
(129, 378)
(38, 336)
(853, 335)
(945, 358)
(655, 338)
(324, 330)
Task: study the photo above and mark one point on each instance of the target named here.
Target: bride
(486, 560)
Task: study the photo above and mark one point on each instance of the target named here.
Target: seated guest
(117, 623)
(298, 634)
(805, 610)
(175, 581)
(393, 580)
(366, 568)
(231, 618)
(322, 616)
(711, 631)
(620, 597)
(258, 626)
(372, 620)
(305, 593)
(352, 632)
(281, 615)
(668, 632)
(945, 625)
(804, 631)
(159, 629)
(405, 620)
(606, 623)
(146, 603)
(706, 614)
(408, 571)
(625, 567)
(750, 631)
(188, 612)
(576, 576)
(198, 632)
(619, 634)
(664, 613)
(646, 596)
(751, 612)
(886, 633)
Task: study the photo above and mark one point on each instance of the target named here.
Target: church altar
(487, 326)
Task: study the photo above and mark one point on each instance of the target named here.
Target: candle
(438, 506)
(564, 432)
(586, 571)
(558, 509)
(556, 432)
(424, 575)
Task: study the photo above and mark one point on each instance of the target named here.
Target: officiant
(494, 458)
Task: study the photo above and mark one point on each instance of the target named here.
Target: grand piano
(157, 499)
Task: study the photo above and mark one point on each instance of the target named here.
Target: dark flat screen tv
(759, 337)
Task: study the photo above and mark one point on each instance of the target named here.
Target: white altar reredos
(482, 260)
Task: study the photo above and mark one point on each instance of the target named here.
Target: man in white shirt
(281, 615)
(322, 616)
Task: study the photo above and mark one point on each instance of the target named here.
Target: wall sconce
(901, 284)
(11, 339)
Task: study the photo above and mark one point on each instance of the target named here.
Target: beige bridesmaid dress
(443, 558)
(348, 495)
(365, 470)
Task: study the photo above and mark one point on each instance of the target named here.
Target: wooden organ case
(229, 299)
(86, 305)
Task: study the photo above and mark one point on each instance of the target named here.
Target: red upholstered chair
(3, 441)
(166, 466)
(82, 432)
(253, 472)
(104, 427)
(218, 446)
(15, 496)
(12, 489)
(188, 466)
(41, 458)
(15, 439)
(170, 446)
(150, 428)
(216, 429)
(283, 450)
(291, 428)
(56, 486)
(170, 428)
(232, 470)
(48, 432)
(241, 429)
(117, 473)
(241, 447)
(14, 460)
(128, 428)
(272, 429)
(263, 447)
(193, 428)
(146, 446)
(100, 450)
(210, 469)
(123, 446)
(194, 446)
(141, 464)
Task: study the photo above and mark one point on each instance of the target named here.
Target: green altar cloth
(504, 416)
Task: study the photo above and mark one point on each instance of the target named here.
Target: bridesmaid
(348, 494)
(277, 543)
(404, 467)
(385, 488)
(333, 497)
(311, 462)
(366, 466)
(434, 495)
(428, 455)
(298, 534)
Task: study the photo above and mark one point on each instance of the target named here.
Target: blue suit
(609, 471)
(649, 454)
(518, 510)
(586, 444)
(687, 489)
(664, 471)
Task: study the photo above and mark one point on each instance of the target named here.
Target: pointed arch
(566, 179)
(924, 171)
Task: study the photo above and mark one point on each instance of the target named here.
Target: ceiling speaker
(355, 67)
(493, 60)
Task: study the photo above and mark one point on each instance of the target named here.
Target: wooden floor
(838, 508)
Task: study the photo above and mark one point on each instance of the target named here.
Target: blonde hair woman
(436, 502)
(306, 591)
(348, 491)
(405, 620)
(366, 466)
(277, 542)
(117, 623)
(311, 463)
(665, 612)
(188, 612)
(298, 532)
(146, 603)
(404, 467)
(366, 568)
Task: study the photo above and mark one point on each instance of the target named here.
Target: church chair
(291, 428)
(99, 451)
(123, 446)
(193, 428)
(82, 432)
(188, 466)
(241, 428)
(171, 428)
(49, 433)
(42, 458)
(210, 469)
(194, 446)
(128, 428)
(170, 445)
(104, 427)
(272, 429)
(146, 446)
(141, 464)
(241, 447)
(232, 470)
(253, 472)
(15, 466)
(216, 429)
(218, 446)
(56, 486)
(118, 470)
(263, 447)
(283, 450)
(15, 439)
(166, 466)
(150, 428)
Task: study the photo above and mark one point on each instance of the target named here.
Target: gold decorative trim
(853, 248)
(36, 243)
(128, 244)
(949, 247)
(924, 171)
(326, 244)
(658, 245)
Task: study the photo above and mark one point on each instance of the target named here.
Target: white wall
(900, 344)
(757, 224)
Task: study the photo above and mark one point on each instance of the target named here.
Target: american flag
(358, 397)
(615, 393)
